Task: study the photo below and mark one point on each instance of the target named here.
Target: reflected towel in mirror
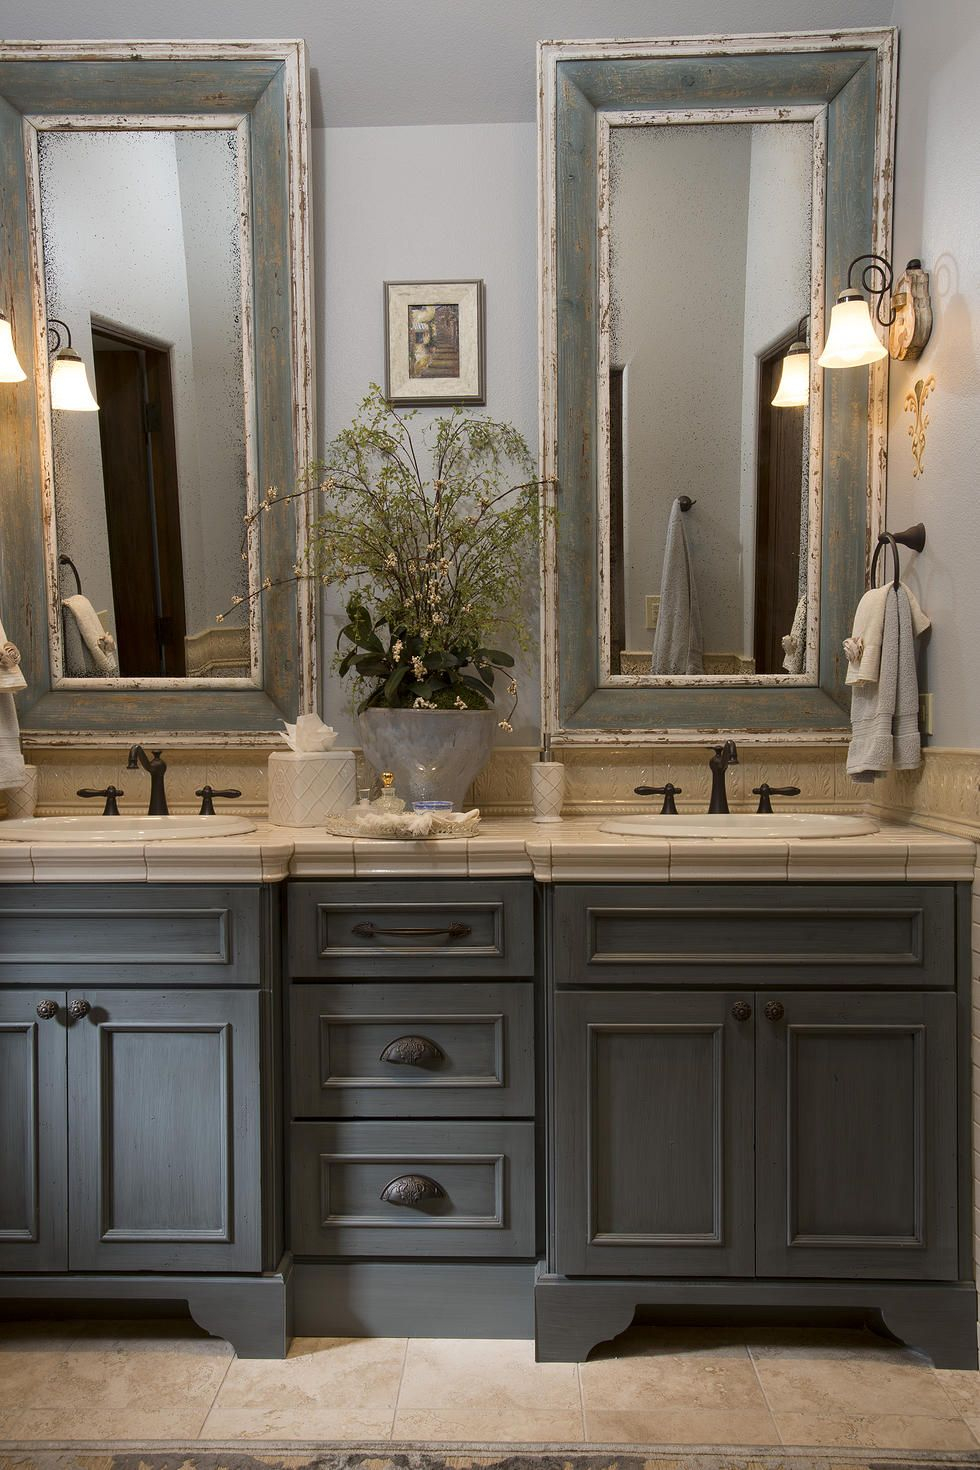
(794, 642)
(677, 647)
(98, 646)
(11, 678)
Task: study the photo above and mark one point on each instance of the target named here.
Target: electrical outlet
(653, 611)
(925, 714)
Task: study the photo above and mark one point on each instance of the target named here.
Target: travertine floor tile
(453, 1374)
(306, 1421)
(180, 1419)
(879, 1431)
(812, 1381)
(667, 1370)
(492, 1425)
(320, 1373)
(38, 1336)
(681, 1426)
(90, 1380)
(962, 1389)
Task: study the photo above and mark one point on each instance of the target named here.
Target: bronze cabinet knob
(412, 1051)
(774, 1010)
(78, 1009)
(47, 1009)
(741, 1010)
(411, 1189)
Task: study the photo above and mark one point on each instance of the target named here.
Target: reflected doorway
(780, 488)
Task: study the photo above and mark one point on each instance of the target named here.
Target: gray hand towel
(677, 641)
(885, 716)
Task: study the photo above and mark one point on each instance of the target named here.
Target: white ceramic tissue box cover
(306, 787)
(22, 799)
(547, 790)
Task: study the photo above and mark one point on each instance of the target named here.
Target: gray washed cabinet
(139, 1123)
(760, 1098)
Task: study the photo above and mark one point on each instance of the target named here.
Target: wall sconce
(10, 369)
(852, 340)
(69, 380)
(794, 380)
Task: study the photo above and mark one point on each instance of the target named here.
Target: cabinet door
(33, 1123)
(164, 1164)
(856, 1149)
(653, 1134)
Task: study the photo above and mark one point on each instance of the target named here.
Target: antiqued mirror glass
(143, 237)
(705, 486)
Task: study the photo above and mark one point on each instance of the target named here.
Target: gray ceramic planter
(434, 755)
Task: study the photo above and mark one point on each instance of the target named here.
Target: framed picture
(434, 342)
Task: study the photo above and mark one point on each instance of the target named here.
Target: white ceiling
(392, 62)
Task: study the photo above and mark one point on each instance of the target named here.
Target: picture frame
(435, 342)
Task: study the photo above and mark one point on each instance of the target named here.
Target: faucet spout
(156, 767)
(724, 756)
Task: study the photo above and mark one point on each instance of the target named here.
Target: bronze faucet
(724, 756)
(157, 769)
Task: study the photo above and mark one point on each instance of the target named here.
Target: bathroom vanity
(518, 1085)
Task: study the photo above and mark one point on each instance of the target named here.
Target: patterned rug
(451, 1457)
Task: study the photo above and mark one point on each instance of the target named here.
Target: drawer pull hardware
(410, 1189)
(47, 1009)
(411, 1051)
(78, 1009)
(774, 1010)
(741, 1010)
(370, 931)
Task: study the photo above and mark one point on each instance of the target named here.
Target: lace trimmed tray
(405, 826)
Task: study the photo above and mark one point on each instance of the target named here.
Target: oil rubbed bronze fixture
(157, 769)
(724, 756)
(914, 537)
(852, 340)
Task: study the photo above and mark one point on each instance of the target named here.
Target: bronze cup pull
(741, 1010)
(774, 1010)
(411, 1189)
(371, 931)
(47, 1009)
(411, 1051)
(78, 1009)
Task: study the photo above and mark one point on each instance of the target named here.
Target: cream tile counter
(574, 851)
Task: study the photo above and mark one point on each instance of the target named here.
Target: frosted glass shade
(852, 340)
(10, 369)
(794, 381)
(69, 384)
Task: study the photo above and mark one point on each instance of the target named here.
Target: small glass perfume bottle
(388, 802)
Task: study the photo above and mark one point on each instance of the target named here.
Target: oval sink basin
(121, 829)
(744, 825)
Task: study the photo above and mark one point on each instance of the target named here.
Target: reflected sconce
(69, 380)
(852, 340)
(10, 369)
(794, 380)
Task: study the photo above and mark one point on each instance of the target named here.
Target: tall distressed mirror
(701, 200)
(158, 245)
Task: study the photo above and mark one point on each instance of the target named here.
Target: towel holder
(685, 502)
(66, 561)
(914, 537)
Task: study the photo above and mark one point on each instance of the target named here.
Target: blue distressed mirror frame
(850, 74)
(264, 85)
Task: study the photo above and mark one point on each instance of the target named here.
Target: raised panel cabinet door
(33, 1124)
(164, 1131)
(653, 1134)
(856, 1146)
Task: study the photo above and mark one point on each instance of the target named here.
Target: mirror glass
(143, 242)
(707, 486)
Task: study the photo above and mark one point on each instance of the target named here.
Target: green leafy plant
(434, 562)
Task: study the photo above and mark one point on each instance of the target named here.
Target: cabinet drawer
(466, 1189)
(867, 935)
(417, 1051)
(411, 929)
(142, 934)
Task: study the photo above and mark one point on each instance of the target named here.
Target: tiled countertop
(572, 851)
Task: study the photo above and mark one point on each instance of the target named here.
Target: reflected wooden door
(779, 491)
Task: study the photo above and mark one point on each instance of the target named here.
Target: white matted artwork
(434, 342)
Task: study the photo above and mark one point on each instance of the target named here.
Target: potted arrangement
(428, 532)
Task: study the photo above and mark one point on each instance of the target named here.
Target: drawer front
(412, 1051)
(139, 934)
(413, 929)
(412, 1189)
(786, 934)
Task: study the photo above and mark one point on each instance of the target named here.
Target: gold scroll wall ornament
(915, 401)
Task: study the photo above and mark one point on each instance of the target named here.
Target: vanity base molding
(574, 1316)
(253, 1313)
(414, 1299)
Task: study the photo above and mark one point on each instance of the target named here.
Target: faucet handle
(765, 791)
(668, 792)
(208, 793)
(110, 793)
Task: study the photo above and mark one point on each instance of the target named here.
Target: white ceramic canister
(547, 790)
(22, 799)
(306, 787)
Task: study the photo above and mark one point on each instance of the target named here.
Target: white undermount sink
(121, 829)
(743, 825)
